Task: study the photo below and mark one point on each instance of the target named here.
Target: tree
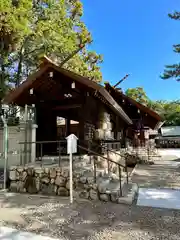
(173, 71)
(170, 112)
(14, 24)
(138, 94)
(32, 29)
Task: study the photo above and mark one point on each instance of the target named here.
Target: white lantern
(51, 74)
(31, 91)
(73, 85)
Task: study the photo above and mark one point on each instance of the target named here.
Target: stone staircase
(106, 187)
(144, 153)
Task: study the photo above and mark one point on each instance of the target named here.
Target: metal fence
(41, 151)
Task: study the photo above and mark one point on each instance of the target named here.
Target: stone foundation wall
(51, 181)
(54, 180)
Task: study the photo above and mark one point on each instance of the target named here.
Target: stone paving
(11, 233)
(163, 174)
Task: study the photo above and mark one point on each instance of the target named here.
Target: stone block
(46, 170)
(65, 173)
(87, 186)
(38, 184)
(68, 184)
(12, 175)
(94, 186)
(48, 189)
(20, 187)
(62, 191)
(104, 197)
(90, 180)
(52, 181)
(30, 185)
(58, 169)
(84, 194)
(17, 175)
(23, 176)
(11, 168)
(75, 180)
(30, 171)
(83, 179)
(114, 196)
(52, 173)
(80, 185)
(13, 186)
(93, 195)
(39, 170)
(60, 181)
(102, 188)
(20, 169)
(55, 189)
(45, 180)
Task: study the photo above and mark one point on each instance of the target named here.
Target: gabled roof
(49, 64)
(118, 94)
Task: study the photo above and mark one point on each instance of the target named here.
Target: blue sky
(135, 37)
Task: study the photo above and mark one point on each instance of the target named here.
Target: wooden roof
(119, 95)
(38, 80)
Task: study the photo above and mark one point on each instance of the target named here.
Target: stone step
(84, 159)
(89, 169)
(129, 194)
(108, 189)
(109, 186)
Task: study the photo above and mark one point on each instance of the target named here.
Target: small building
(55, 92)
(168, 137)
(143, 118)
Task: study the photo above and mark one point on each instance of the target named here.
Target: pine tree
(173, 71)
(138, 94)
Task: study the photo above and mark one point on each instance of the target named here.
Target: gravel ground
(55, 217)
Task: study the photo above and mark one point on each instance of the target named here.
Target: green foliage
(168, 110)
(32, 29)
(138, 94)
(173, 71)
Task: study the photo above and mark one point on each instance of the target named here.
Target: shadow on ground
(158, 175)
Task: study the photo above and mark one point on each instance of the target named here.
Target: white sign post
(71, 148)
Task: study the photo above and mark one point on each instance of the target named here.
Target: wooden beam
(64, 107)
(127, 75)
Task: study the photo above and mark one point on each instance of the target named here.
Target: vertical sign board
(71, 148)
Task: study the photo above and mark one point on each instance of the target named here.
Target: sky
(135, 37)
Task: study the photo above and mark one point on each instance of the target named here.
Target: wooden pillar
(81, 130)
(46, 131)
(117, 134)
(67, 125)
